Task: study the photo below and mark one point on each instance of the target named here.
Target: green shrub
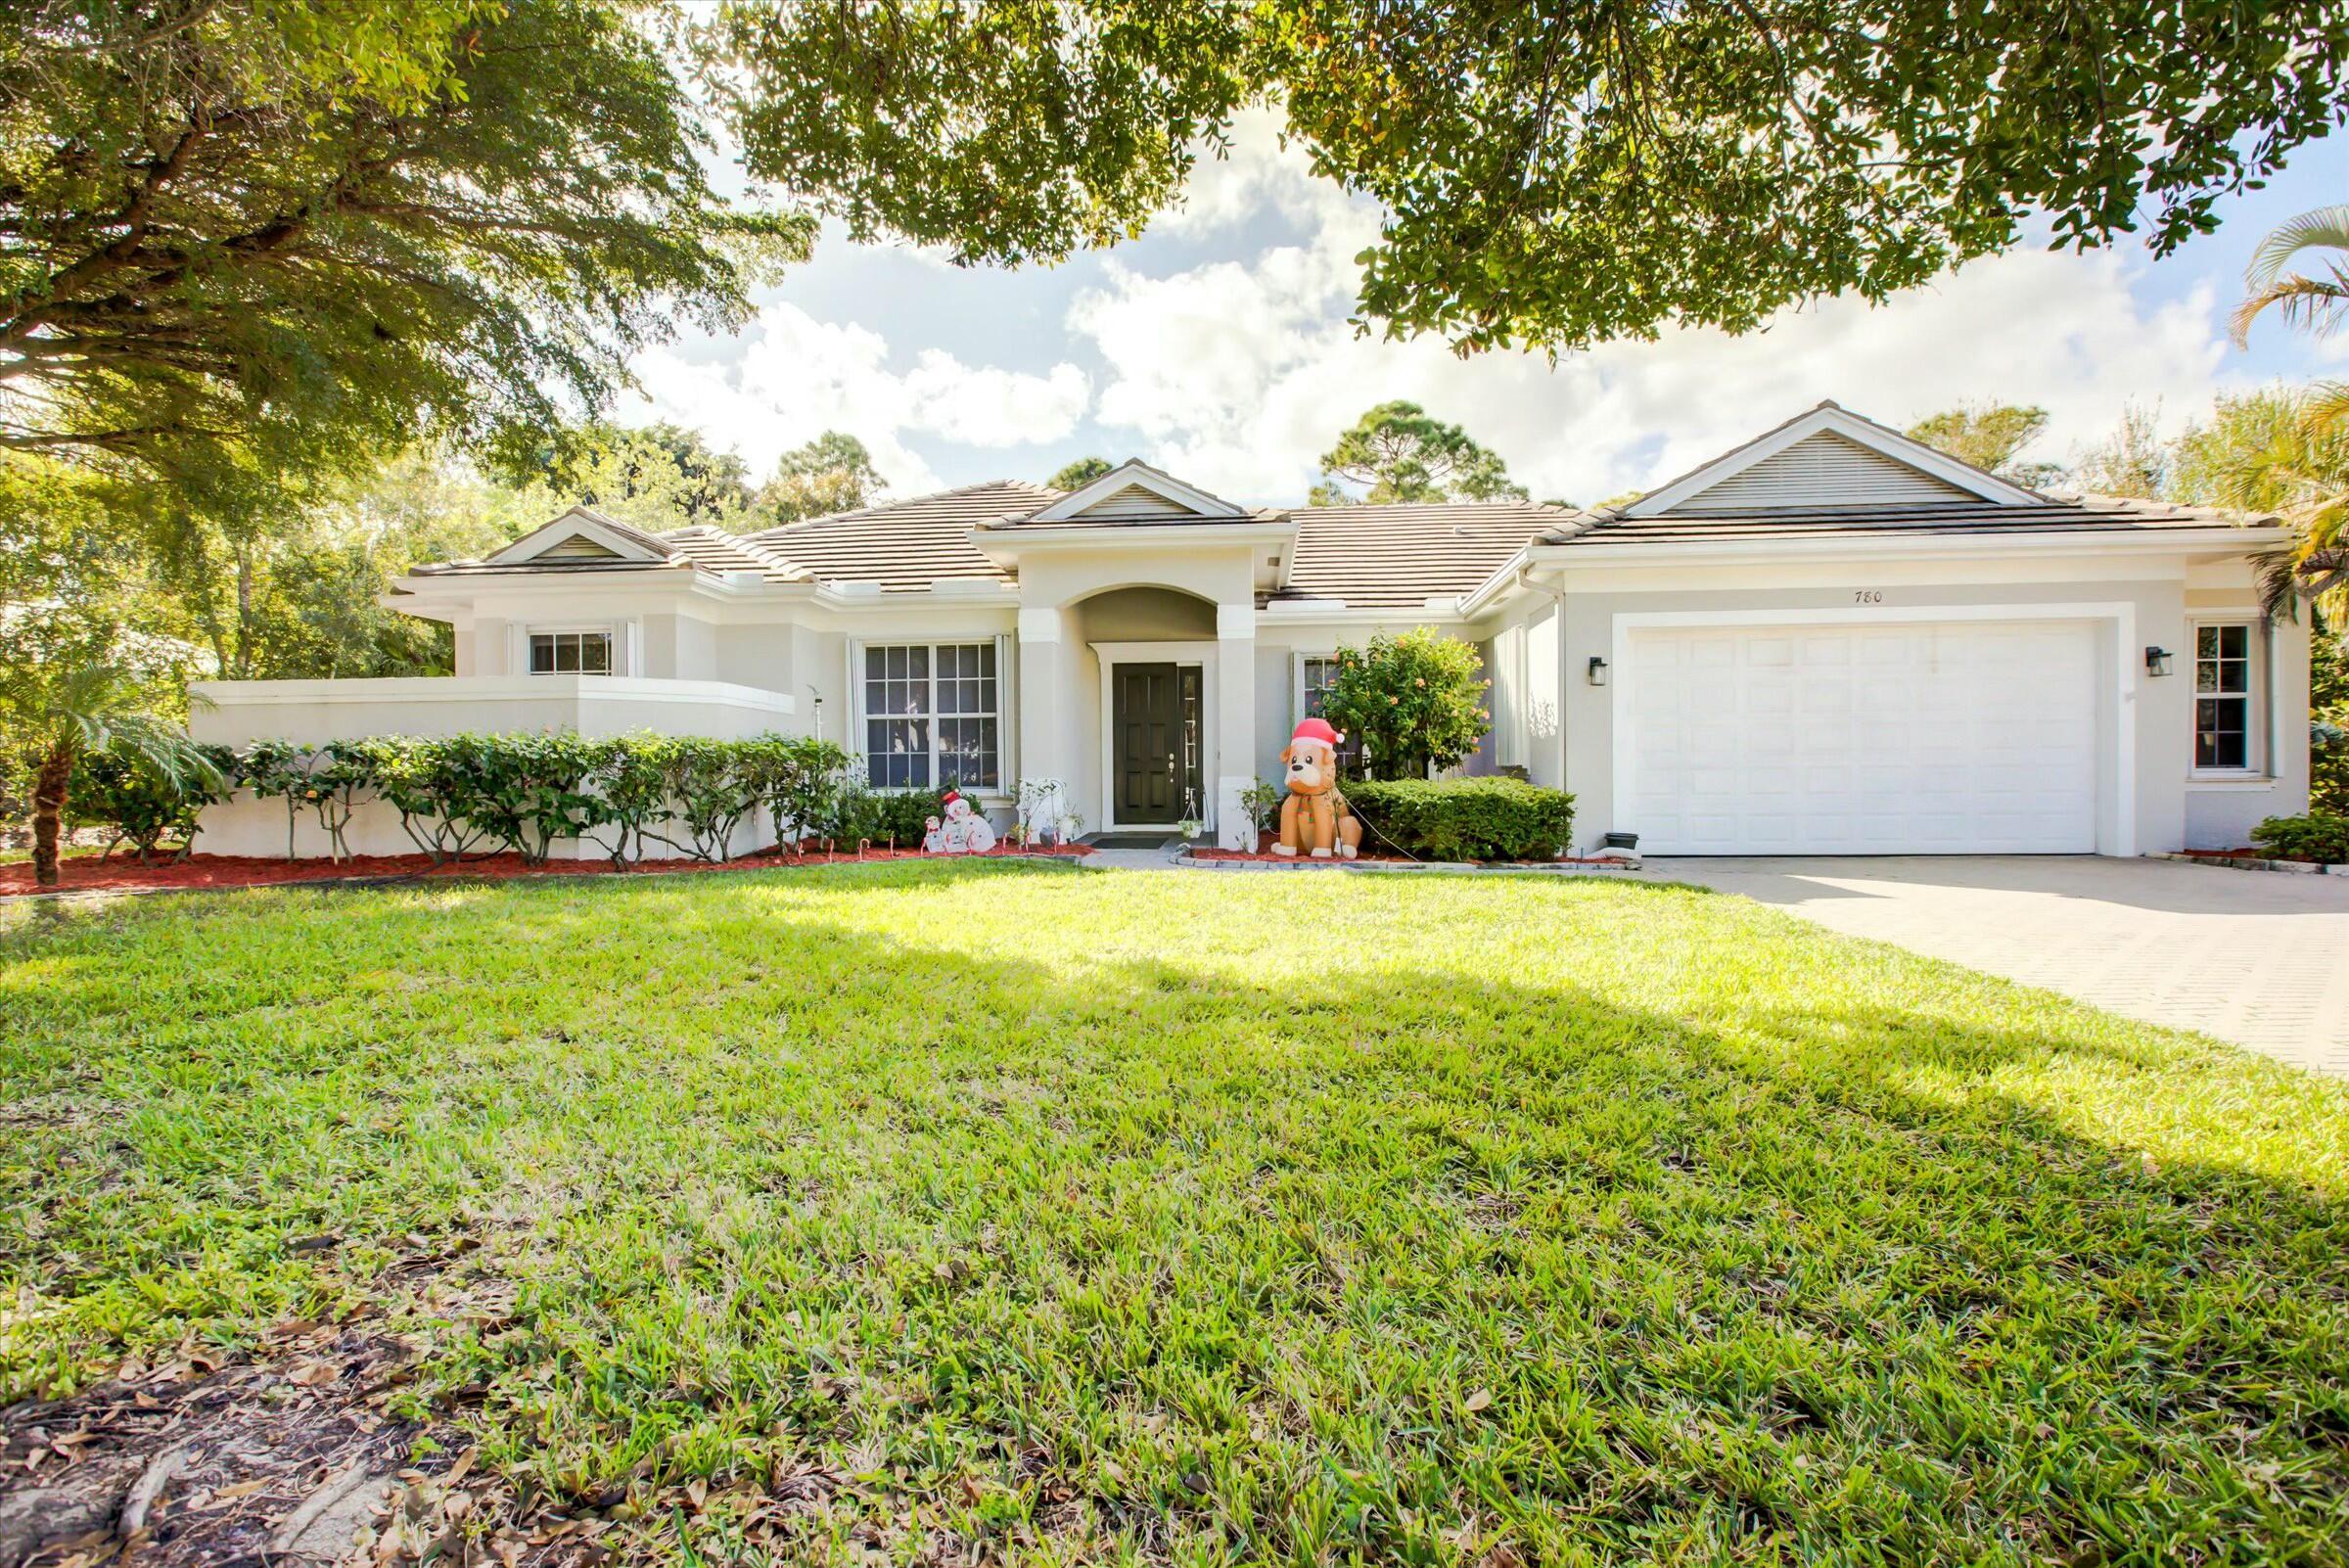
(2320, 836)
(2328, 763)
(276, 769)
(713, 785)
(804, 783)
(1464, 818)
(440, 788)
(126, 793)
(631, 775)
(882, 819)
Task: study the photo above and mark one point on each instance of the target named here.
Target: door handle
(1169, 767)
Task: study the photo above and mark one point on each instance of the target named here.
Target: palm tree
(2311, 496)
(63, 712)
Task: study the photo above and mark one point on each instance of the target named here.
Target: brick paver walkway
(2256, 957)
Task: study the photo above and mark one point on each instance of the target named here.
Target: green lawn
(1194, 1218)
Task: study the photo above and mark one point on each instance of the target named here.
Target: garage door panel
(1973, 736)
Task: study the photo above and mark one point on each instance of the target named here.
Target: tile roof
(904, 546)
(716, 550)
(1366, 557)
(2087, 514)
(1380, 557)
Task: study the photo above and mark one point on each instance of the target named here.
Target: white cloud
(1234, 375)
(790, 377)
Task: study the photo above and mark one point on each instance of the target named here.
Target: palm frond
(2325, 410)
(2317, 303)
(2278, 579)
(2326, 227)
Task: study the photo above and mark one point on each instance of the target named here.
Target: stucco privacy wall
(2169, 808)
(315, 711)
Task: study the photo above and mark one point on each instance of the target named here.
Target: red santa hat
(1314, 729)
(950, 798)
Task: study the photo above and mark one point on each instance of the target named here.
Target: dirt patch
(196, 1461)
(324, 1446)
(89, 874)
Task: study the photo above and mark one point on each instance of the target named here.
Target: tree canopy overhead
(271, 231)
(1551, 174)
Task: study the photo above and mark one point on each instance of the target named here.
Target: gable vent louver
(1820, 472)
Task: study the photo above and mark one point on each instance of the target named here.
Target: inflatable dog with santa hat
(964, 831)
(1313, 819)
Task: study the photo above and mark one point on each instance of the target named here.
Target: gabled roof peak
(1906, 468)
(1135, 492)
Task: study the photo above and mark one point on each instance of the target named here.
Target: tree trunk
(48, 809)
(244, 557)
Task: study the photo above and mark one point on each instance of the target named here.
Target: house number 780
(1867, 596)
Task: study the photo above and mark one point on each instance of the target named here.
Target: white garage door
(1966, 738)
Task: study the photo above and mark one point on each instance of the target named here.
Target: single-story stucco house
(1830, 639)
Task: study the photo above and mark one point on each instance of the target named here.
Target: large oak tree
(248, 237)
(1552, 172)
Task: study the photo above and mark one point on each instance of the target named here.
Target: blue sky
(1218, 347)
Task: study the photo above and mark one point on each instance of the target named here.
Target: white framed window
(933, 715)
(2226, 677)
(1318, 673)
(570, 653)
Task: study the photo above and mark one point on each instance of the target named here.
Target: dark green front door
(1148, 756)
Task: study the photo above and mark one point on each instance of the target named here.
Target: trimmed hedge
(2320, 836)
(1463, 818)
(459, 795)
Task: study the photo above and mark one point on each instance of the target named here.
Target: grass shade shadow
(1204, 1219)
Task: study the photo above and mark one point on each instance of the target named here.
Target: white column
(1236, 721)
(1046, 692)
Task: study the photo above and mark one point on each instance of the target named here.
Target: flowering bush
(1416, 703)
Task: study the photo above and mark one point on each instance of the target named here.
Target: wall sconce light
(1599, 671)
(2157, 660)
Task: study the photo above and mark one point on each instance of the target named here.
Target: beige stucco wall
(1546, 717)
(2170, 809)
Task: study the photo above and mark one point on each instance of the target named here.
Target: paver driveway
(2255, 957)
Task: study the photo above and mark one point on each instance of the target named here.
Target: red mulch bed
(1264, 852)
(1205, 854)
(124, 874)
